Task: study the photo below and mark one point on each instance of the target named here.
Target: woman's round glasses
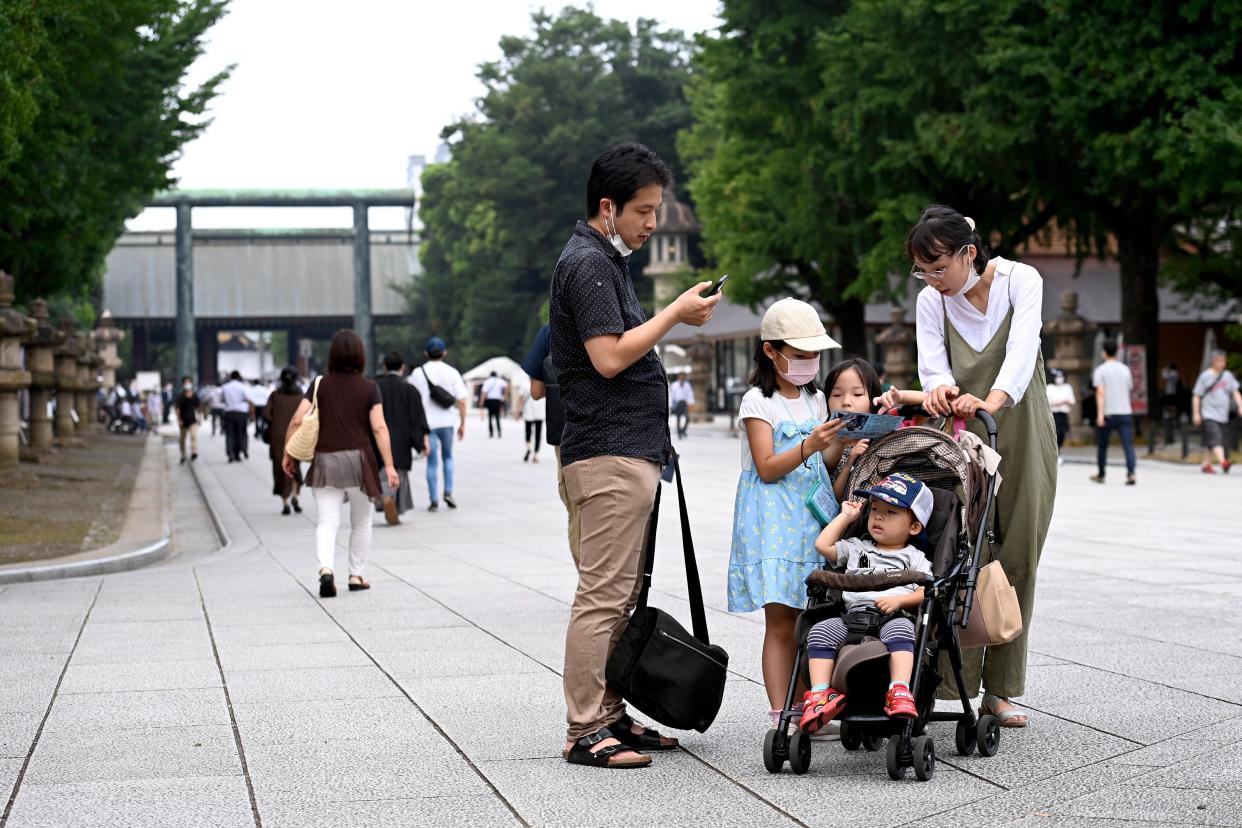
(924, 275)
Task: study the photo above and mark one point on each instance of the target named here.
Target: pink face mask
(801, 371)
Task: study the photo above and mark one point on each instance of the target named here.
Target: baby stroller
(957, 540)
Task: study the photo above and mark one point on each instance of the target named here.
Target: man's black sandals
(627, 757)
(649, 739)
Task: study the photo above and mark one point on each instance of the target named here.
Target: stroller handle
(989, 422)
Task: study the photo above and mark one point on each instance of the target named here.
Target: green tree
(1118, 119)
(94, 128)
(498, 214)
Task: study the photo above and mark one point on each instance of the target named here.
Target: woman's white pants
(328, 502)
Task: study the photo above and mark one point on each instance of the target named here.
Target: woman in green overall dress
(978, 331)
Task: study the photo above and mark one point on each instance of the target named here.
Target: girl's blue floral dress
(774, 532)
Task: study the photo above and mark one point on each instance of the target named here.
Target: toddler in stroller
(900, 508)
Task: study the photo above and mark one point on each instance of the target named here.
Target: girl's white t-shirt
(776, 409)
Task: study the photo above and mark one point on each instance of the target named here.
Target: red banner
(1136, 360)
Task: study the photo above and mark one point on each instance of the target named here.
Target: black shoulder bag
(440, 396)
(671, 676)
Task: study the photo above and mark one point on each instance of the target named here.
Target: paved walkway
(217, 689)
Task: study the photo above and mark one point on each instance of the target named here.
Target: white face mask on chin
(972, 279)
(614, 237)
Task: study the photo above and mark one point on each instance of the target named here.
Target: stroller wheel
(800, 752)
(773, 758)
(987, 735)
(966, 737)
(873, 741)
(924, 758)
(851, 739)
(896, 769)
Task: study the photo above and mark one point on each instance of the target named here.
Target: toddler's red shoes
(819, 708)
(900, 703)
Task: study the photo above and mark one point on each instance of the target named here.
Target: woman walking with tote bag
(350, 412)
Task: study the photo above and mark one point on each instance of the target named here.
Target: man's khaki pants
(575, 523)
(613, 496)
(192, 431)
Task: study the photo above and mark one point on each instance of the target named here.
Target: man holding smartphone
(616, 436)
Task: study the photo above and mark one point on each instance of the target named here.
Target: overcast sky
(329, 94)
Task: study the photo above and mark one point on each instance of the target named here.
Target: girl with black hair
(851, 385)
(782, 420)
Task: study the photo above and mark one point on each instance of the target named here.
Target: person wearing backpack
(444, 401)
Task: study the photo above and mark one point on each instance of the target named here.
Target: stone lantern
(1071, 333)
(670, 250)
(66, 384)
(898, 342)
(107, 337)
(42, 364)
(88, 384)
(14, 328)
(700, 353)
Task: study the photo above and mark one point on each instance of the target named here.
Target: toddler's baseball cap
(902, 490)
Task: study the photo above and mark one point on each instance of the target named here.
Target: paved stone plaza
(216, 688)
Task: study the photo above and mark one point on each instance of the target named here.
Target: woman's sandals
(356, 583)
(327, 584)
(1005, 718)
(612, 756)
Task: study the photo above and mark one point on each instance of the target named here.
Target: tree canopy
(498, 214)
(822, 128)
(93, 113)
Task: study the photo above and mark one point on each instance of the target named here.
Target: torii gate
(360, 200)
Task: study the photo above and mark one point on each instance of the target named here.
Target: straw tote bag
(301, 443)
(995, 616)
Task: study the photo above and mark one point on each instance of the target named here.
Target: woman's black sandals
(327, 585)
(627, 757)
(649, 739)
(354, 586)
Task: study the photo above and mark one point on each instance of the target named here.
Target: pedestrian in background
(1214, 390)
(187, 405)
(444, 402)
(407, 428)
(351, 414)
(214, 397)
(494, 389)
(282, 404)
(681, 400)
(1061, 401)
(1113, 385)
(237, 411)
(154, 408)
(532, 415)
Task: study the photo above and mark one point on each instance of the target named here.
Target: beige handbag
(995, 616)
(301, 443)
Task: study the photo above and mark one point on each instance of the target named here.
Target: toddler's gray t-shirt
(850, 555)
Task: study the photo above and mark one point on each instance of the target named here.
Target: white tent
(506, 369)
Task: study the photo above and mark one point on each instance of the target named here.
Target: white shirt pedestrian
(448, 378)
(1117, 382)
